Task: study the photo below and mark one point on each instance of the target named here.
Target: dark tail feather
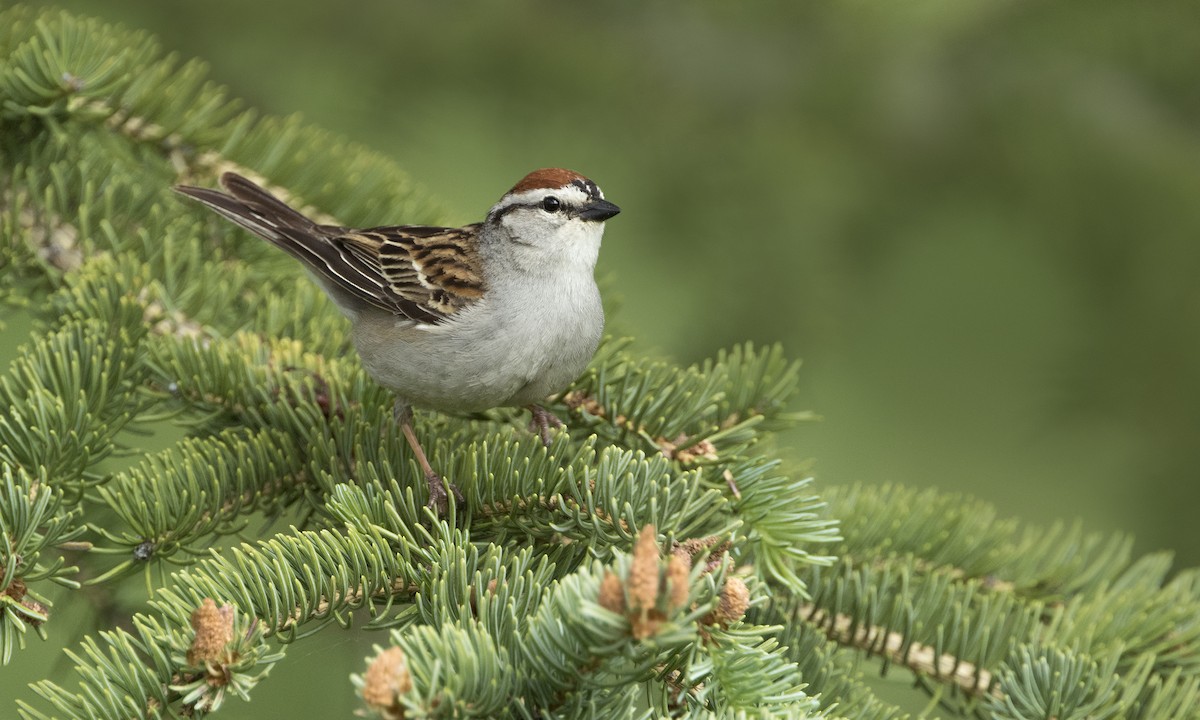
(266, 204)
(255, 209)
(266, 216)
(349, 283)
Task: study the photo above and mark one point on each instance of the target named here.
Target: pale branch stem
(225, 511)
(551, 504)
(355, 595)
(921, 659)
(185, 162)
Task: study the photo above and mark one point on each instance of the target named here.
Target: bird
(500, 313)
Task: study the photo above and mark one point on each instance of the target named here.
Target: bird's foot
(543, 421)
(439, 499)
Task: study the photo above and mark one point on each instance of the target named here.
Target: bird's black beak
(598, 210)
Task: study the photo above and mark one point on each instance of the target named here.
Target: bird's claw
(439, 499)
(543, 420)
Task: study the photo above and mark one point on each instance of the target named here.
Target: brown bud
(677, 582)
(643, 571)
(386, 679)
(679, 449)
(612, 593)
(214, 632)
(35, 607)
(16, 589)
(690, 548)
(735, 600)
(577, 400)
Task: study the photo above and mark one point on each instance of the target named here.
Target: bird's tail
(257, 210)
(265, 215)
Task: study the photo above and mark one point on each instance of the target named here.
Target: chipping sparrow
(500, 313)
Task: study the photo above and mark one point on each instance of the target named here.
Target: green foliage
(32, 520)
(656, 560)
(131, 674)
(176, 501)
(1058, 684)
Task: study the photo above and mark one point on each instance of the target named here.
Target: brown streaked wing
(431, 267)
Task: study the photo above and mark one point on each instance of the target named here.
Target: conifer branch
(892, 646)
(543, 595)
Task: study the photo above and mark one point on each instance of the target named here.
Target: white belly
(511, 349)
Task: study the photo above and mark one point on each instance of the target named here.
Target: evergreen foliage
(656, 560)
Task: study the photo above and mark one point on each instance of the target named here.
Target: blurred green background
(978, 223)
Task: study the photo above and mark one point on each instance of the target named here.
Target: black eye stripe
(588, 187)
(518, 206)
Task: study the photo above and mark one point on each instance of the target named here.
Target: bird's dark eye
(551, 204)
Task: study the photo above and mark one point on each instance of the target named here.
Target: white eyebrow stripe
(569, 194)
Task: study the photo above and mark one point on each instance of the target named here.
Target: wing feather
(420, 272)
(434, 267)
